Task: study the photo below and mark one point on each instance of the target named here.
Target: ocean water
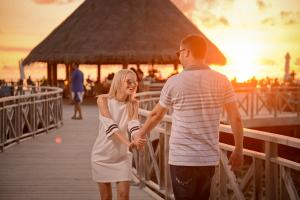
(39, 70)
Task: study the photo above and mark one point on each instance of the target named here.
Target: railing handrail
(255, 134)
(54, 90)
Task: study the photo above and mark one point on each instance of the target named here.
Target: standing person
(118, 113)
(77, 90)
(196, 96)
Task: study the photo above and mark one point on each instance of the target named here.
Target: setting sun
(243, 59)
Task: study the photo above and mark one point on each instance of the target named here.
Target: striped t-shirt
(196, 98)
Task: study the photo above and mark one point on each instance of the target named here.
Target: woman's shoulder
(102, 98)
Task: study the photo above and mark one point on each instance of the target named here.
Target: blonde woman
(118, 113)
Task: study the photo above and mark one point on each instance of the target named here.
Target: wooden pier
(46, 155)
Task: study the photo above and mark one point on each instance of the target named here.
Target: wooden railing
(37, 111)
(265, 175)
(275, 102)
(281, 101)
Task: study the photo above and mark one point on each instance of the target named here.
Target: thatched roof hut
(119, 32)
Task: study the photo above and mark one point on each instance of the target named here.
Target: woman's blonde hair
(118, 80)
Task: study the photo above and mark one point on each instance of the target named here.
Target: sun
(243, 60)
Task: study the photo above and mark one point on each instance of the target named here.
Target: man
(196, 96)
(77, 90)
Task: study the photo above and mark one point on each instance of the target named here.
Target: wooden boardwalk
(43, 168)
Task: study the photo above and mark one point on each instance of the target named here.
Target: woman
(118, 114)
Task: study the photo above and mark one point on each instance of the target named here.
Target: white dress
(110, 159)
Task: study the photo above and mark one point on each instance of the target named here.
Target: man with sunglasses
(196, 96)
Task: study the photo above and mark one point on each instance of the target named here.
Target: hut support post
(49, 74)
(54, 75)
(125, 66)
(68, 75)
(99, 73)
(176, 67)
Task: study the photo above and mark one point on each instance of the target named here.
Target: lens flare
(58, 140)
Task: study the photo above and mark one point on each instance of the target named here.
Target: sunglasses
(178, 52)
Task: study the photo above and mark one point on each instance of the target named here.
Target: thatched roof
(118, 32)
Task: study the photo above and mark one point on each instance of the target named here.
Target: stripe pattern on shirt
(197, 98)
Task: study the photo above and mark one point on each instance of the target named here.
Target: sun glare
(243, 60)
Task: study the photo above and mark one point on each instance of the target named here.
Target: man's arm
(153, 119)
(236, 158)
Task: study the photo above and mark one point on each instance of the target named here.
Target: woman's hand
(139, 142)
(131, 145)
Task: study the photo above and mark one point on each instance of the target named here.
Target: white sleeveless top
(110, 159)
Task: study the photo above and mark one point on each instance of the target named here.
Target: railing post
(223, 182)
(162, 158)
(271, 171)
(2, 129)
(252, 104)
(18, 117)
(168, 183)
(141, 167)
(258, 167)
(34, 123)
(46, 114)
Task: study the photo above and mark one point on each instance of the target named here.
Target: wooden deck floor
(40, 168)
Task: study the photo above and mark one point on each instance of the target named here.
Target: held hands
(236, 159)
(139, 141)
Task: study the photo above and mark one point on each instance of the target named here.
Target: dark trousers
(191, 182)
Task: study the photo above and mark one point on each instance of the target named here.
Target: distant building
(287, 67)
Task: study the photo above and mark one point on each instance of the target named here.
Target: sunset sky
(254, 35)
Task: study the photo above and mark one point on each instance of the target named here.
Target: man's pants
(191, 182)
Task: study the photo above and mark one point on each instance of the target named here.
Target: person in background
(196, 96)
(77, 90)
(30, 82)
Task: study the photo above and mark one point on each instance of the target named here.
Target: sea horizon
(38, 71)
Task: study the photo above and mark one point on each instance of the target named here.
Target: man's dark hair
(196, 44)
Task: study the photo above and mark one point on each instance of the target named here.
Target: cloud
(185, 6)
(268, 21)
(14, 49)
(202, 11)
(284, 18)
(297, 62)
(53, 1)
(267, 62)
(211, 20)
(262, 5)
(288, 17)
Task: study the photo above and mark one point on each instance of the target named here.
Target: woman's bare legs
(105, 191)
(123, 190)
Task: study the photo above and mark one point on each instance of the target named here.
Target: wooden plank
(44, 168)
(271, 171)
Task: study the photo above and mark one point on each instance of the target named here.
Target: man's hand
(139, 141)
(236, 159)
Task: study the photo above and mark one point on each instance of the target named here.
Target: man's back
(196, 98)
(77, 81)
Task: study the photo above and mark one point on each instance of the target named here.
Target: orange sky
(254, 35)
